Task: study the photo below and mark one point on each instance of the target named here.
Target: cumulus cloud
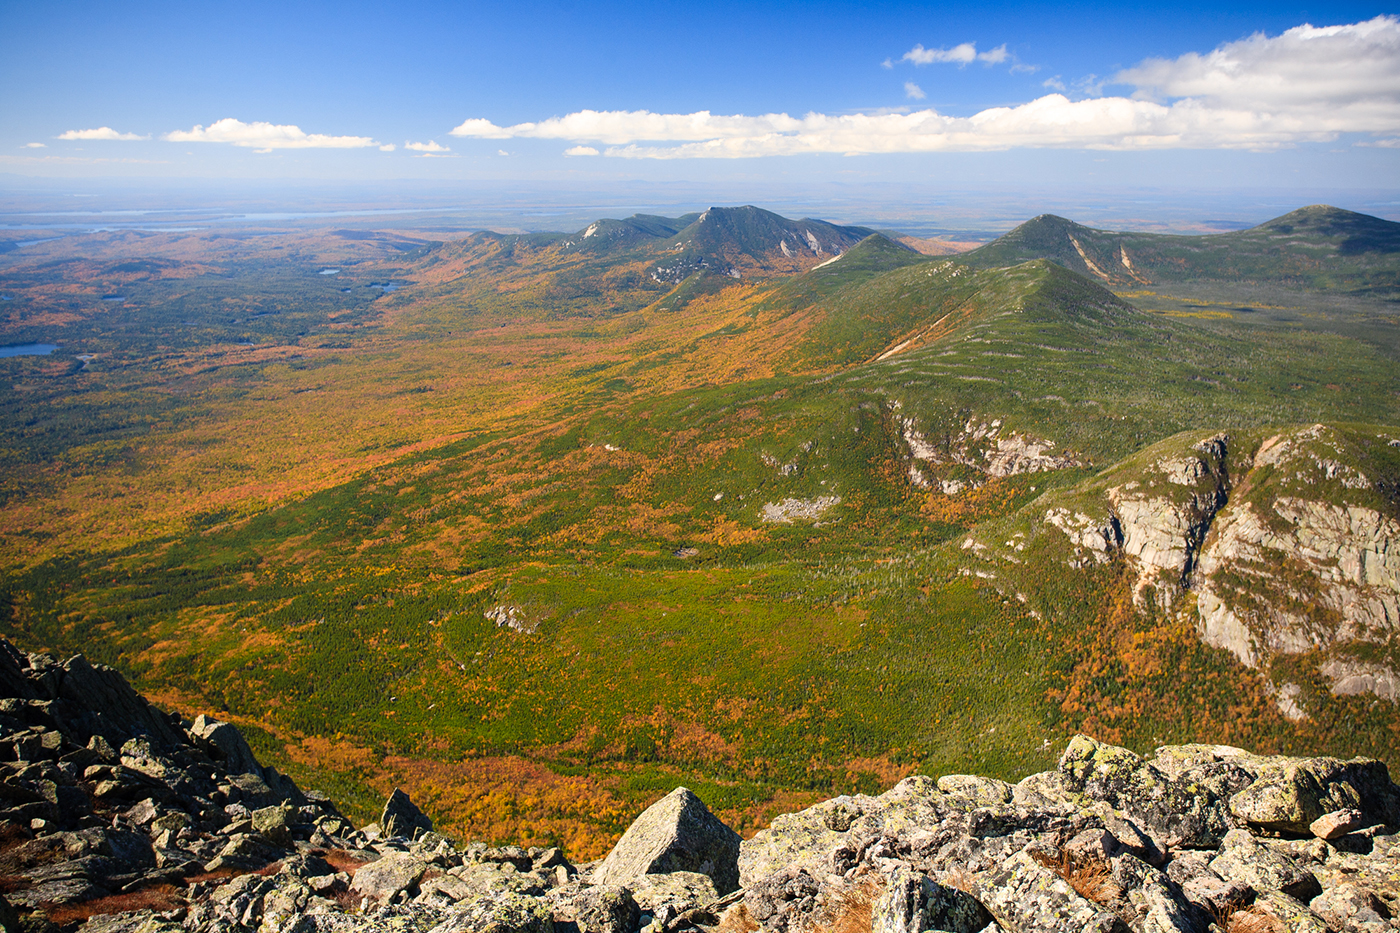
(1309, 84)
(265, 136)
(578, 151)
(963, 54)
(429, 146)
(1307, 66)
(388, 147)
(34, 146)
(102, 132)
(913, 91)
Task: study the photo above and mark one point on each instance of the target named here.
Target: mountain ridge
(1313, 247)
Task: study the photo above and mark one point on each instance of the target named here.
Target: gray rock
(814, 839)
(225, 745)
(136, 921)
(504, 913)
(972, 791)
(272, 823)
(1173, 813)
(678, 890)
(677, 833)
(1154, 896)
(606, 909)
(1287, 798)
(102, 703)
(901, 908)
(913, 902)
(783, 901)
(59, 891)
(394, 873)
(1242, 859)
(1348, 906)
(1024, 896)
(402, 818)
(1296, 916)
(1098, 845)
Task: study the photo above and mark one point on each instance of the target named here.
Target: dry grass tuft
(852, 907)
(1090, 878)
(160, 897)
(737, 919)
(1247, 920)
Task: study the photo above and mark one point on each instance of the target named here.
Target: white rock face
(1165, 517)
(1293, 550)
(1100, 539)
(791, 510)
(1307, 570)
(982, 446)
(1353, 677)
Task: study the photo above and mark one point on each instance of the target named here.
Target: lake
(28, 349)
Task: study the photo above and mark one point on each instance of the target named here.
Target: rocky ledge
(118, 818)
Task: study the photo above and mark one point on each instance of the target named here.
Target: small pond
(28, 349)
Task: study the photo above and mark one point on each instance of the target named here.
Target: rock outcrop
(677, 833)
(985, 447)
(1271, 544)
(123, 819)
(1109, 841)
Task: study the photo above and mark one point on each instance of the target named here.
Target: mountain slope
(1316, 247)
(590, 561)
(741, 241)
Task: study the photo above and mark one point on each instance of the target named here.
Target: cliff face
(1274, 543)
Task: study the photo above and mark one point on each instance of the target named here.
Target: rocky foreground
(118, 818)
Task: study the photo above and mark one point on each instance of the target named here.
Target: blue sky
(900, 92)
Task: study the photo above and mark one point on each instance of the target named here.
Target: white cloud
(102, 132)
(429, 146)
(265, 136)
(1306, 66)
(502, 152)
(913, 91)
(1307, 85)
(388, 147)
(994, 56)
(34, 146)
(963, 54)
(1055, 84)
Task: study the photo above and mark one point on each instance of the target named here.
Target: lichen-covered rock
(677, 833)
(973, 791)
(392, 874)
(503, 913)
(1173, 812)
(783, 900)
(136, 921)
(681, 890)
(815, 840)
(1294, 914)
(1351, 906)
(401, 817)
(1024, 896)
(901, 908)
(1242, 859)
(605, 909)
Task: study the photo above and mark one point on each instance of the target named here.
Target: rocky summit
(118, 818)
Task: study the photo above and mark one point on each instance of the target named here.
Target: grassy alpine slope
(558, 582)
